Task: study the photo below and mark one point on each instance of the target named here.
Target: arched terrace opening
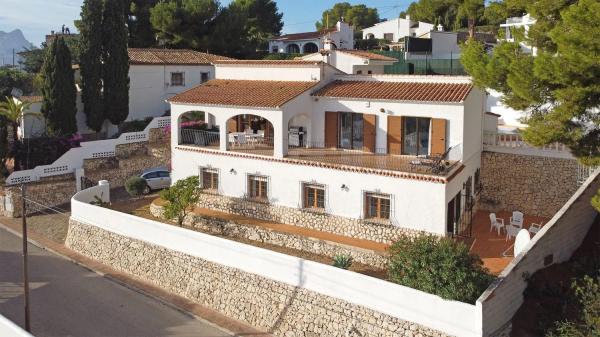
(310, 48)
(292, 48)
(198, 128)
(251, 134)
(370, 36)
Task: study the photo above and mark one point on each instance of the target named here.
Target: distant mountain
(9, 41)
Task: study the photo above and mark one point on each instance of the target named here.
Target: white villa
(341, 36)
(378, 150)
(394, 30)
(357, 62)
(155, 75)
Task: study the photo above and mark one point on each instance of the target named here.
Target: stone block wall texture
(275, 307)
(555, 243)
(212, 225)
(361, 229)
(51, 191)
(531, 184)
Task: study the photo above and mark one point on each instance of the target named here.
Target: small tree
(180, 198)
(136, 186)
(439, 266)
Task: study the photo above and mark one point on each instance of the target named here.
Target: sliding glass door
(351, 131)
(416, 136)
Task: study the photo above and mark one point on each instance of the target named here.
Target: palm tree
(14, 111)
(471, 9)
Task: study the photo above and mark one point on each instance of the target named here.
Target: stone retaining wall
(278, 308)
(361, 229)
(531, 184)
(212, 225)
(52, 191)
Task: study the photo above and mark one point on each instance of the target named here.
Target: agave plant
(342, 261)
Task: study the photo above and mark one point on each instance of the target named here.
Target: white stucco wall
(149, 87)
(510, 119)
(268, 72)
(399, 27)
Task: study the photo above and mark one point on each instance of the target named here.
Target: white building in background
(357, 62)
(398, 150)
(341, 36)
(394, 30)
(155, 75)
(520, 22)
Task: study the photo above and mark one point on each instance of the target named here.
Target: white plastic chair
(535, 228)
(517, 219)
(232, 139)
(512, 231)
(497, 223)
(241, 139)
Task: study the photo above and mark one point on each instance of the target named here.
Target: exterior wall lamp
(232, 171)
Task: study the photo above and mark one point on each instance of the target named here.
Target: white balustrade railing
(73, 159)
(514, 143)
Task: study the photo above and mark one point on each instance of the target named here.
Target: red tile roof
(397, 91)
(171, 56)
(367, 55)
(269, 62)
(266, 94)
(304, 36)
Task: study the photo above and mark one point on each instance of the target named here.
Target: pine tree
(91, 63)
(116, 62)
(58, 90)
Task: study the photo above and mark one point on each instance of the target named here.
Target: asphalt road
(68, 300)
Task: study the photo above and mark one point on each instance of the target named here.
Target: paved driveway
(69, 300)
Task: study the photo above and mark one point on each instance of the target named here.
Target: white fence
(10, 329)
(514, 143)
(451, 317)
(73, 159)
(555, 243)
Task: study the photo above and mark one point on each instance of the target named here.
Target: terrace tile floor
(490, 246)
(347, 158)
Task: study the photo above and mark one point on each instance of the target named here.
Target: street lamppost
(25, 267)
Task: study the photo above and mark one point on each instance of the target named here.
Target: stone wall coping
(451, 317)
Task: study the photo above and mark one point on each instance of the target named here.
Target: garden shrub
(439, 266)
(342, 261)
(587, 322)
(180, 198)
(135, 186)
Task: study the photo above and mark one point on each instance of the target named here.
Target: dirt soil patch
(141, 208)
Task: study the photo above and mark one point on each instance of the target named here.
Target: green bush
(181, 198)
(342, 261)
(440, 266)
(135, 186)
(587, 321)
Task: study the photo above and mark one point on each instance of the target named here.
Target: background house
(155, 75)
(394, 30)
(353, 61)
(341, 36)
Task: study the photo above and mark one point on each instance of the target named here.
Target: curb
(176, 302)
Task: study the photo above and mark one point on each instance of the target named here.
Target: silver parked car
(156, 179)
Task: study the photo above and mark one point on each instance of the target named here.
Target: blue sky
(36, 18)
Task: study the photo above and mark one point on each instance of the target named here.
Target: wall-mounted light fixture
(232, 171)
(344, 187)
(368, 104)
(382, 110)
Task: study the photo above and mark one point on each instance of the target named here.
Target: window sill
(209, 191)
(314, 210)
(378, 221)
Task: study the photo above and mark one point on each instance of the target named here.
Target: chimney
(407, 17)
(327, 43)
(440, 28)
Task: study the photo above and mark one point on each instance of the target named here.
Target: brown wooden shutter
(394, 129)
(438, 136)
(369, 132)
(331, 128)
(232, 125)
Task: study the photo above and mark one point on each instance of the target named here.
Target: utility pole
(25, 267)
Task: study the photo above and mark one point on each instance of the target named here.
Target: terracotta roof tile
(304, 36)
(266, 94)
(397, 91)
(269, 62)
(367, 55)
(171, 56)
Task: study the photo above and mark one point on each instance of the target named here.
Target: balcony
(317, 153)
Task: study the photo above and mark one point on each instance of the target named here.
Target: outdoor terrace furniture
(512, 231)
(535, 228)
(517, 219)
(497, 223)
